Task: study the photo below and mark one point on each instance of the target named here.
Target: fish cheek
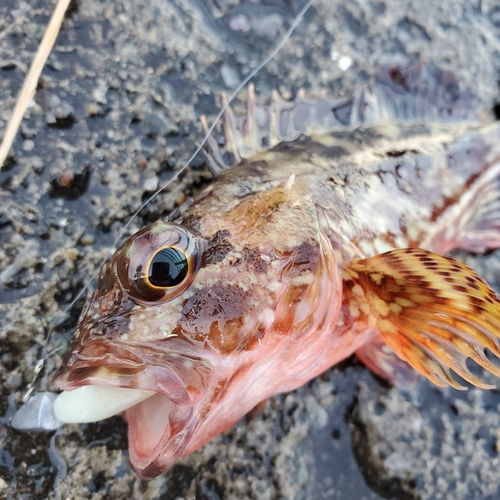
(107, 312)
(216, 315)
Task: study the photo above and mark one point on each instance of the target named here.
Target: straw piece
(29, 86)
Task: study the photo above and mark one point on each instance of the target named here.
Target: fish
(325, 233)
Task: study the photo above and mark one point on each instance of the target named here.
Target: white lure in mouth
(91, 403)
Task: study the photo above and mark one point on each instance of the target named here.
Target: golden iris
(159, 262)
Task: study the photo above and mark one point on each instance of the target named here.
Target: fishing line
(45, 355)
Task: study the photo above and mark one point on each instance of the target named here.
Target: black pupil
(168, 268)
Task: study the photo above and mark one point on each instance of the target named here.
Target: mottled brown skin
(264, 308)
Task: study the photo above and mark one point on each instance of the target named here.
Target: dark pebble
(155, 126)
(64, 112)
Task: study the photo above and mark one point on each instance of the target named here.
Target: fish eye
(168, 268)
(158, 263)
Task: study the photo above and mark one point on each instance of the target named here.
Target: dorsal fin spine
(409, 93)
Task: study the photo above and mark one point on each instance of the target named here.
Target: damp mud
(114, 117)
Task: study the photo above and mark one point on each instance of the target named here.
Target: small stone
(28, 145)
(37, 414)
(154, 165)
(317, 414)
(13, 381)
(155, 126)
(72, 254)
(37, 164)
(181, 199)
(87, 239)
(5, 220)
(35, 109)
(396, 463)
(7, 65)
(93, 109)
(72, 228)
(152, 125)
(51, 221)
(161, 156)
(50, 118)
(229, 76)
(26, 132)
(345, 62)
(54, 101)
(99, 96)
(63, 319)
(268, 26)
(66, 179)
(150, 184)
(142, 162)
(240, 23)
(64, 112)
(55, 65)
(7, 359)
(170, 129)
(59, 346)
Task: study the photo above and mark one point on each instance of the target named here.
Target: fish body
(287, 263)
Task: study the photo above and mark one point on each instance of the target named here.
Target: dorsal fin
(406, 93)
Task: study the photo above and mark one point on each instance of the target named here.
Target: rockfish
(322, 235)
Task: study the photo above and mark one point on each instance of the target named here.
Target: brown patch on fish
(256, 260)
(217, 248)
(215, 315)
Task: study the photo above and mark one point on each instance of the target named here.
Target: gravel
(116, 114)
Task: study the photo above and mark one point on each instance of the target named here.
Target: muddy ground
(115, 115)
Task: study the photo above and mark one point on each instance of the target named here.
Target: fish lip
(181, 378)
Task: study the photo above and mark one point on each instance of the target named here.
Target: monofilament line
(245, 81)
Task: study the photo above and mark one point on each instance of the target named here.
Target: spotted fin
(412, 92)
(434, 312)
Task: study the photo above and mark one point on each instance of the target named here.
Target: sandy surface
(115, 114)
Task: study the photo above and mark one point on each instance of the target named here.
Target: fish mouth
(158, 429)
(158, 399)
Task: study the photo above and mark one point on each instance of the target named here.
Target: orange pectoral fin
(434, 312)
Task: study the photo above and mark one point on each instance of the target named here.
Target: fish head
(207, 320)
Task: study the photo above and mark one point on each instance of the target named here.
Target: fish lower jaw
(92, 403)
